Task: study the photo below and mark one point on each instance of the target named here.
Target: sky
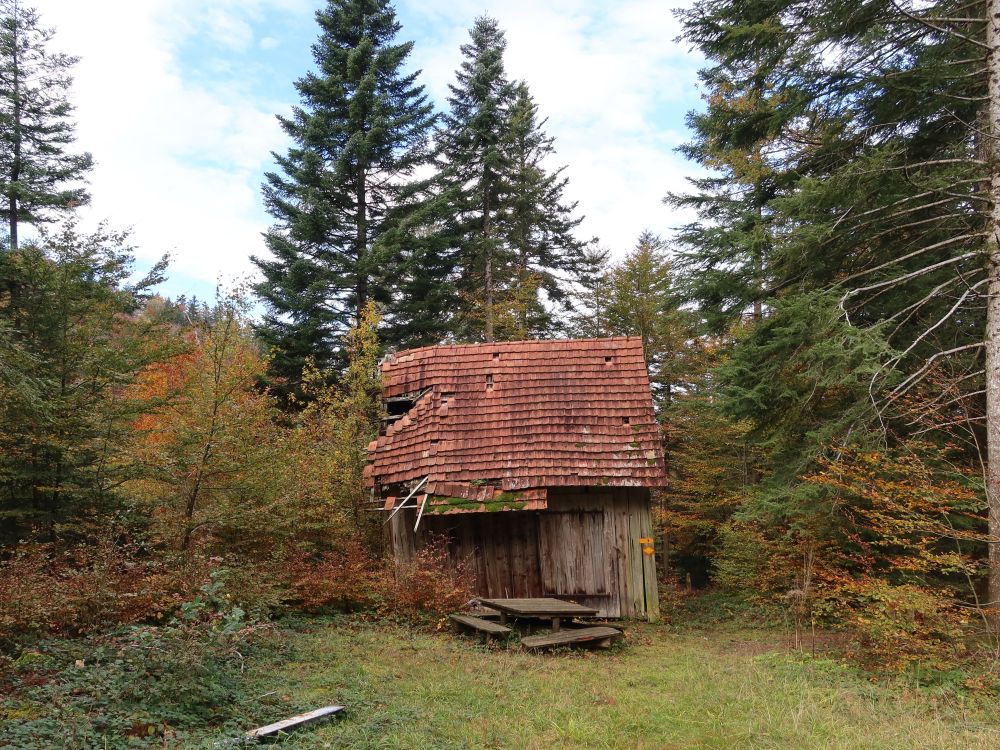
(176, 101)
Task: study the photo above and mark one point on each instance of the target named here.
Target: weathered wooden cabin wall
(585, 547)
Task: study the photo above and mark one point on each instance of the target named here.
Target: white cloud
(181, 152)
(178, 159)
(612, 81)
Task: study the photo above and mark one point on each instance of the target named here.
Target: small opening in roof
(489, 381)
(626, 420)
(608, 360)
(496, 355)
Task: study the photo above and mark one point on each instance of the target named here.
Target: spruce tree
(642, 301)
(506, 216)
(346, 190)
(476, 172)
(591, 294)
(865, 142)
(39, 178)
(75, 344)
(541, 223)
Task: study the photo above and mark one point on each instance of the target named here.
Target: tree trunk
(488, 271)
(992, 343)
(361, 248)
(15, 167)
(488, 332)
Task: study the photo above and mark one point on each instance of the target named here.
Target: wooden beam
(478, 623)
(413, 492)
(420, 513)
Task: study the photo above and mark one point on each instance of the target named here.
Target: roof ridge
(501, 344)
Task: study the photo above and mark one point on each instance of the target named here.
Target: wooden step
(483, 612)
(478, 623)
(603, 634)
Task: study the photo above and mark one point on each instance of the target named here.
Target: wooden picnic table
(542, 607)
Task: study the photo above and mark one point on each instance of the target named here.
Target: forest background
(820, 338)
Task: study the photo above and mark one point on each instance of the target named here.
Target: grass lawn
(662, 689)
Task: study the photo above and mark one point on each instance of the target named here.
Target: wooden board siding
(574, 558)
(635, 591)
(400, 535)
(650, 589)
(502, 547)
(585, 547)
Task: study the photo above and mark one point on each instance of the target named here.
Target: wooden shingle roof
(520, 415)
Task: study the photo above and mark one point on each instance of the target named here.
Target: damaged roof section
(519, 415)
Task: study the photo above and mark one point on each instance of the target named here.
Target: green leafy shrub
(145, 686)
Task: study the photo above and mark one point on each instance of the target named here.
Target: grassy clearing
(661, 690)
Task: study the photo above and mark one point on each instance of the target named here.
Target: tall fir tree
(591, 294)
(541, 223)
(475, 172)
(346, 194)
(506, 218)
(39, 178)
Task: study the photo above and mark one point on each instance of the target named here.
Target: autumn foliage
(430, 585)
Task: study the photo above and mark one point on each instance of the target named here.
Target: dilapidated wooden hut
(534, 458)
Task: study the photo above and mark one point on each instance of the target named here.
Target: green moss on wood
(503, 501)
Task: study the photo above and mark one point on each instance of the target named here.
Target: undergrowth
(139, 686)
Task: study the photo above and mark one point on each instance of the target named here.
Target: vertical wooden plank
(620, 513)
(502, 554)
(533, 553)
(612, 606)
(636, 590)
(488, 543)
(403, 540)
(479, 554)
(650, 590)
(516, 540)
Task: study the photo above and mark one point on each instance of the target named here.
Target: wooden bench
(480, 625)
(602, 634)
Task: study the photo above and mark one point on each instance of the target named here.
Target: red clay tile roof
(521, 414)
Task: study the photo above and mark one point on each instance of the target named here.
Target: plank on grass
(294, 722)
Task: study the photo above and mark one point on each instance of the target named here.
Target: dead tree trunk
(992, 343)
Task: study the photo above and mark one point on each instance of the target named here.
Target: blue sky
(176, 101)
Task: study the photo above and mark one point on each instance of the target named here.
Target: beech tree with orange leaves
(209, 448)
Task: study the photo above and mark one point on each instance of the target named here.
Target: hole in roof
(626, 420)
(397, 407)
(496, 355)
(435, 442)
(608, 360)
